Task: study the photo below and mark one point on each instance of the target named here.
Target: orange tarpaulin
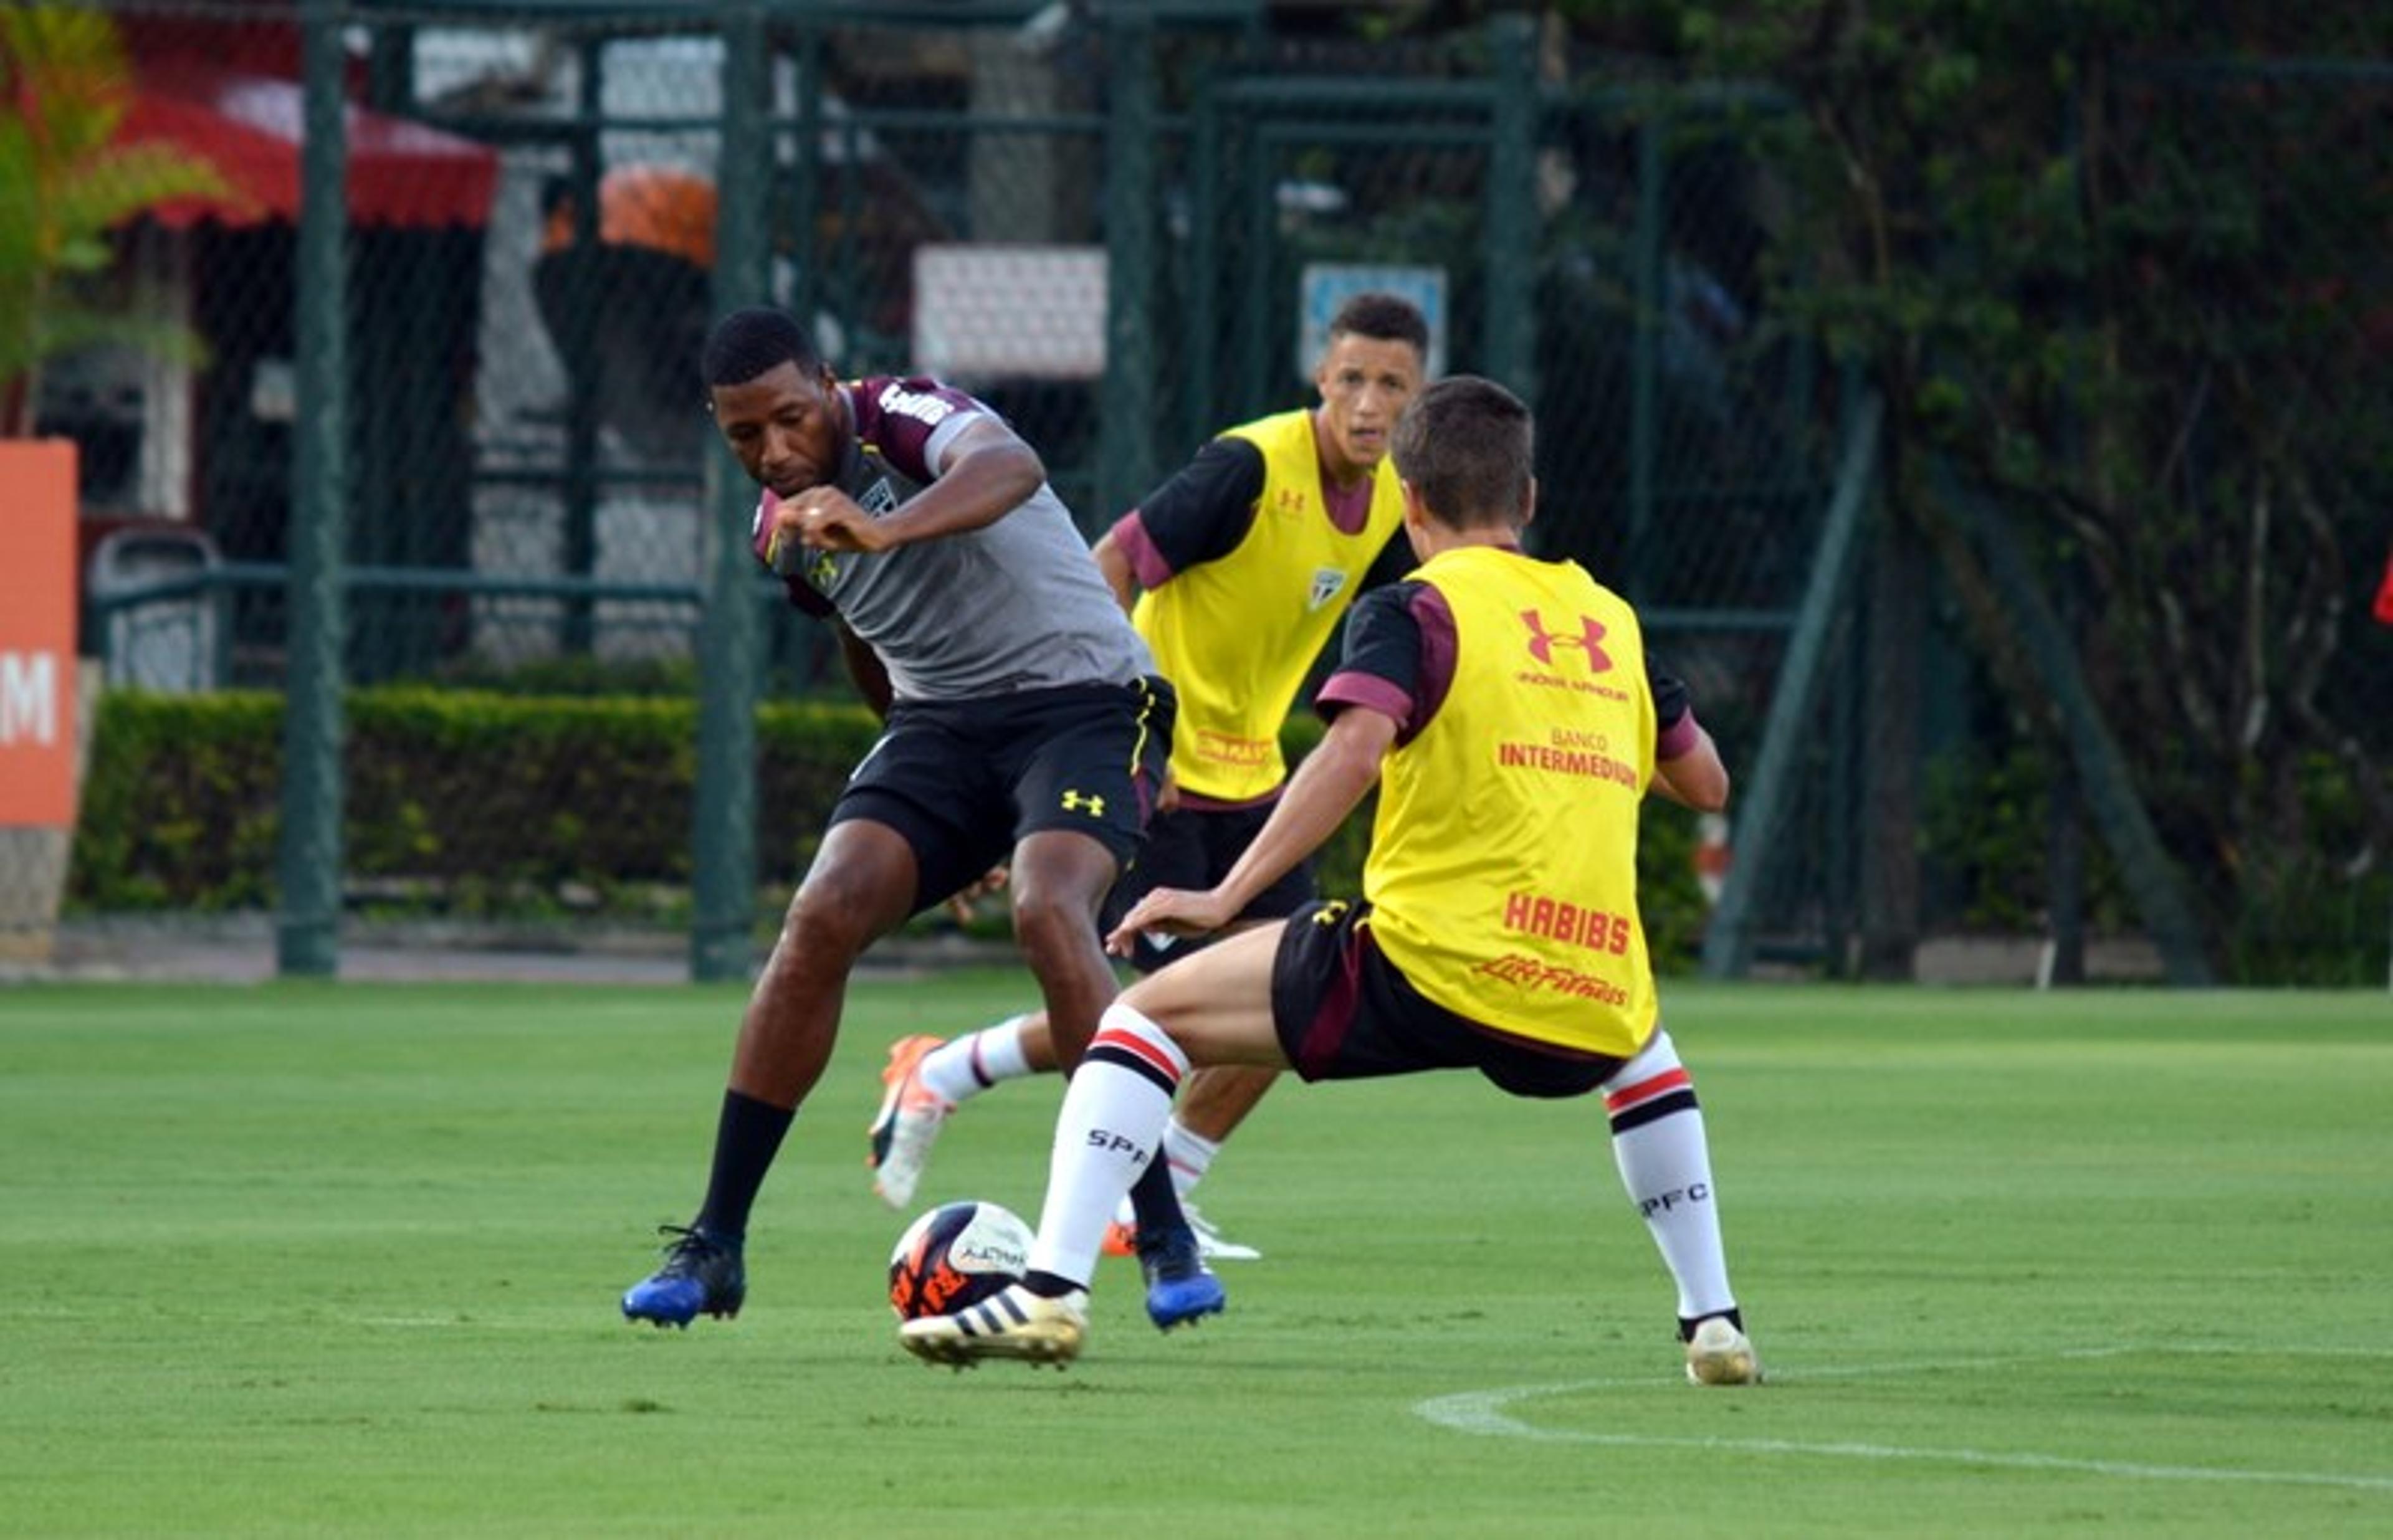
(251, 128)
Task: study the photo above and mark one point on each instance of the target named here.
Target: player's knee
(1047, 923)
(832, 916)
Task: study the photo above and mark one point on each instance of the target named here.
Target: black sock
(747, 1137)
(1687, 1323)
(1048, 1285)
(1156, 1203)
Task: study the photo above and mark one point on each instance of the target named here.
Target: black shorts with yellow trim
(1195, 848)
(1344, 1012)
(965, 782)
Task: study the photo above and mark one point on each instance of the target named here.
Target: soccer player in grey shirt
(1025, 727)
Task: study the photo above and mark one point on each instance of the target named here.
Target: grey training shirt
(1015, 605)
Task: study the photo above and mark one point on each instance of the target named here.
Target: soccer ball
(956, 1256)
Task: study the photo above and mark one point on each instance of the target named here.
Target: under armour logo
(1542, 641)
(1290, 501)
(1075, 803)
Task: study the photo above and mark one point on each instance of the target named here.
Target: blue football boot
(702, 1275)
(1180, 1287)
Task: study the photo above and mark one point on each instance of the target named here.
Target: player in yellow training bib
(1500, 703)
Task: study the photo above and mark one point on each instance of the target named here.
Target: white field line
(1489, 1413)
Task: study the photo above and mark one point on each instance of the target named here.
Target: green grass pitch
(344, 1260)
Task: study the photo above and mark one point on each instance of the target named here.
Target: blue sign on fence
(1328, 285)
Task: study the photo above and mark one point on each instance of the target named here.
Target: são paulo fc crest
(1327, 583)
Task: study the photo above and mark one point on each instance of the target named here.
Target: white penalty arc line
(1484, 1413)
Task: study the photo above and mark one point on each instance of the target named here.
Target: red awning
(250, 127)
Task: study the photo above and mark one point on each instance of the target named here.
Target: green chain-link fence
(1117, 223)
(2104, 663)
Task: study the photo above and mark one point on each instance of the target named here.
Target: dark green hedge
(508, 805)
(476, 802)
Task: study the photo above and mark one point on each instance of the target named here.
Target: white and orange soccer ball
(956, 1256)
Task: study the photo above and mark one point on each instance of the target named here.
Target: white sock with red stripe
(957, 1071)
(1191, 1156)
(1110, 1127)
(1666, 1162)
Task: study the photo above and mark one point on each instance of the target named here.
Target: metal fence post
(1511, 207)
(803, 195)
(731, 637)
(579, 347)
(1202, 337)
(1644, 401)
(1729, 940)
(309, 858)
(2152, 877)
(1126, 427)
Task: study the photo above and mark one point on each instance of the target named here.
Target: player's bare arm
(865, 668)
(985, 474)
(1119, 575)
(1695, 778)
(1113, 562)
(1326, 787)
(988, 473)
(824, 518)
(964, 903)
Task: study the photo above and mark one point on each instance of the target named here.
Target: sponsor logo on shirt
(1526, 972)
(1549, 645)
(927, 409)
(1327, 583)
(1539, 914)
(1566, 760)
(1224, 749)
(1587, 639)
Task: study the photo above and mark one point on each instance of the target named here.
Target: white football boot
(1015, 1324)
(1719, 1354)
(907, 1125)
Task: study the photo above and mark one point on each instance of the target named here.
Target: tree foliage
(2127, 264)
(65, 182)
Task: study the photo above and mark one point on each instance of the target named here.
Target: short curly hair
(755, 341)
(1381, 318)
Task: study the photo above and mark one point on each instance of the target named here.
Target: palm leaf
(66, 66)
(21, 190)
(65, 182)
(120, 183)
(75, 328)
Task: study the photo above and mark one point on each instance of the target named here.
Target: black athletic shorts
(1344, 1012)
(965, 782)
(1195, 848)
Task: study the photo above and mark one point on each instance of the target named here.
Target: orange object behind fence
(37, 634)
